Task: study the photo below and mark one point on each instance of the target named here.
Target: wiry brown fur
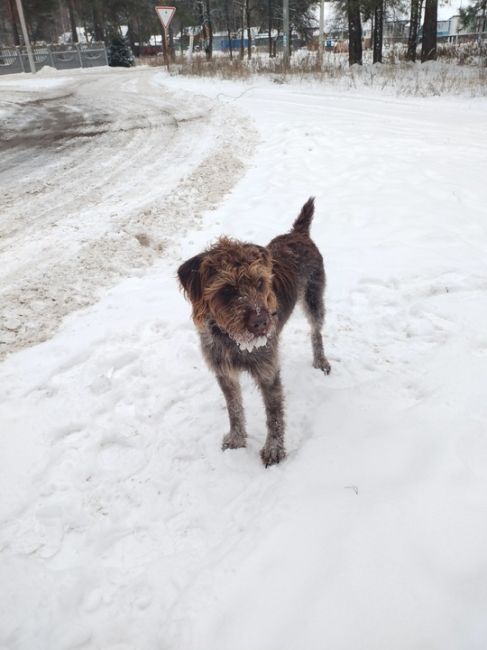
(242, 295)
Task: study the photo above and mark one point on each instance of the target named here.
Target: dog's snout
(258, 321)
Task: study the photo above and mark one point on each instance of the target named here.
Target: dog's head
(230, 284)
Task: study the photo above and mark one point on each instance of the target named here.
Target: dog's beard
(242, 337)
(247, 342)
(252, 344)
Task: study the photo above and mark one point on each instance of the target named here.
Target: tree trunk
(354, 32)
(378, 31)
(428, 47)
(72, 22)
(97, 23)
(482, 22)
(242, 34)
(249, 36)
(269, 22)
(209, 42)
(130, 36)
(413, 30)
(286, 50)
(13, 20)
(229, 34)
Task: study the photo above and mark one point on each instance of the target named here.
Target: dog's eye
(260, 283)
(227, 292)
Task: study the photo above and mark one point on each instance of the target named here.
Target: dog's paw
(272, 454)
(233, 441)
(322, 364)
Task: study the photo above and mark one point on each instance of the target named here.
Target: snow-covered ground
(124, 526)
(100, 170)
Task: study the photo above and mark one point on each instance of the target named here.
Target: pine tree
(474, 16)
(120, 54)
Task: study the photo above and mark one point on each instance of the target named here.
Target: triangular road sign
(165, 15)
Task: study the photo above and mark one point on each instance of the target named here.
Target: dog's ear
(190, 277)
(265, 255)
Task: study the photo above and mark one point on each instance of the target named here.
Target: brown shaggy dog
(242, 295)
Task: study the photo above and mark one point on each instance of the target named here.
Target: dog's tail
(303, 221)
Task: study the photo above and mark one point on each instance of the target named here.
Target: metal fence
(61, 57)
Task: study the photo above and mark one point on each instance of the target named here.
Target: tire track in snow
(100, 176)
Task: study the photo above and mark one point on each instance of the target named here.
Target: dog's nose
(258, 321)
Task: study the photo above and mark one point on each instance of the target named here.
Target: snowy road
(97, 171)
(124, 526)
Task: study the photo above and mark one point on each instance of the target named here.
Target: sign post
(165, 14)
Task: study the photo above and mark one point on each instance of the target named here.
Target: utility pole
(26, 36)
(285, 32)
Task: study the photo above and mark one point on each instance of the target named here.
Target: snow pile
(124, 526)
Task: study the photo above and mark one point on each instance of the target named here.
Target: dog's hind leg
(237, 437)
(314, 307)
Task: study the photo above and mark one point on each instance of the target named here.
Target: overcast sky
(446, 9)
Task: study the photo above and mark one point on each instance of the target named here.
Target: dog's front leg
(237, 437)
(273, 451)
